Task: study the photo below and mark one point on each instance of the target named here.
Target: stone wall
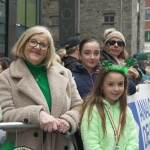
(91, 23)
(49, 8)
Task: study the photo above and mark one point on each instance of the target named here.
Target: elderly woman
(31, 93)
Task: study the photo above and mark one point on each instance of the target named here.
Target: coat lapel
(27, 84)
(57, 81)
(29, 87)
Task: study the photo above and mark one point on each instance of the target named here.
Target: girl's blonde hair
(18, 49)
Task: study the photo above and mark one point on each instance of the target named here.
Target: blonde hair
(58, 59)
(18, 49)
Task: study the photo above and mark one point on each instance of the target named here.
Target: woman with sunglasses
(30, 92)
(114, 47)
(114, 51)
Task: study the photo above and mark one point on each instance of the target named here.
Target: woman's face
(36, 54)
(115, 48)
(90, 55)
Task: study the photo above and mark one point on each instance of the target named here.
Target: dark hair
(84, 41)
(4, 64)
(95, 98)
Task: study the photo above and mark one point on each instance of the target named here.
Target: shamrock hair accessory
(110, 67)
(106, 63)
(122, 69)
(130, 62)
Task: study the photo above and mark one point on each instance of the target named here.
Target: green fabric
(40, 73)
(7, 146)
(93, 136)
(142, 56)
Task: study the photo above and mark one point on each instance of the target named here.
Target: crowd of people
(81, 88)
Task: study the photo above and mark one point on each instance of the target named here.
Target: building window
(54, 21)
(109, 18)
(147, 14)
(147, 36)
(28, 14)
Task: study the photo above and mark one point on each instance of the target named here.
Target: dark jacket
(84, 80)
(70, 62)
(107, 56)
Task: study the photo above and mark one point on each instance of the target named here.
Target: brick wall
(147, 25)
(147, 3)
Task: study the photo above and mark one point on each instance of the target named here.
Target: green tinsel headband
(122, 69)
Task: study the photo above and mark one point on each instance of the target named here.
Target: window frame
(147, 16)
(54, 21)
(109, 15)
(148, 34)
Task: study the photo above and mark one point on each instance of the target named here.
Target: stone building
(91, 17)
(147, 27)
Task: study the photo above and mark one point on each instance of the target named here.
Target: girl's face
(90, 55)
(115, 48)
(36, 54)
(113, 87)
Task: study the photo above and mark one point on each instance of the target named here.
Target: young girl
(86, 73)
(107, 122)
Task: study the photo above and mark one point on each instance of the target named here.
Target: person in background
(61, 53)
(107, 122)
(72, 51)
(4, 63)
(86, 73)
(148, 69)
(29, 93)
(143, 61)
(114, 47)
(114, 51)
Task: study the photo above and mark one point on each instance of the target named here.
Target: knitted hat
(113, 34)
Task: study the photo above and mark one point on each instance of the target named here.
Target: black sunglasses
(113, 42)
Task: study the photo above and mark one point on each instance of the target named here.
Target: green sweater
(93, 136)
(39, 73)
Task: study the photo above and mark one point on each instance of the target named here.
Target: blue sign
(140, 106)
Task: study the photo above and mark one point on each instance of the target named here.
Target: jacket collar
(108, 104)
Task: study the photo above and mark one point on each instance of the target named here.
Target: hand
(48, 122)
(133, 72)
(146, 82)
(63, 125)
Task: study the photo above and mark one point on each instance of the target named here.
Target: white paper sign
(140, 106)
